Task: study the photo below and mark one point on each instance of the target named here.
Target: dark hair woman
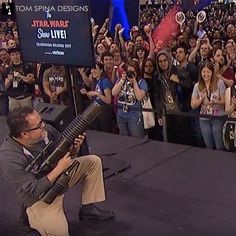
(140, 54)
(100, 89)
(148, 71)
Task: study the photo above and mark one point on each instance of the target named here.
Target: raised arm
(85, 78)
(193, 54)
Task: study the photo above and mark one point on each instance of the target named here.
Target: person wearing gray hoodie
(167, 85)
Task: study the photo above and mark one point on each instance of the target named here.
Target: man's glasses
(39, 126)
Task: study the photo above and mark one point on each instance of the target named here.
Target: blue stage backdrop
(119, 15)
(132, 9)
(125, 12)
(99, 10)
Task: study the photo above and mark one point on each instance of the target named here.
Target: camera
(130, 74)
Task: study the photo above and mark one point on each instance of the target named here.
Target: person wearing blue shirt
(101, 90)
(130, 89)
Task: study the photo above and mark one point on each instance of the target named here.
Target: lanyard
(208, 95)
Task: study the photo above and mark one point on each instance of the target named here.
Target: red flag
(166, 30)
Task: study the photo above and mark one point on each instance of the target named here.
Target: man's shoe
(94, 213)
(102, 210)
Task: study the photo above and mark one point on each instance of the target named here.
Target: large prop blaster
(77, 127)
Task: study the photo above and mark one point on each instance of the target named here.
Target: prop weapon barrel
(78, 126)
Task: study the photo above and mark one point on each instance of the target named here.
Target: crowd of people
(188, 80)
(192, 74)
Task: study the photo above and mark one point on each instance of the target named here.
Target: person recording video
(27, 138)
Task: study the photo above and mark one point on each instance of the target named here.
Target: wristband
(122, 81)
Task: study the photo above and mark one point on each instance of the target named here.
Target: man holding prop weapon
(42, 164)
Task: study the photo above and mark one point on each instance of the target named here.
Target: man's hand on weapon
(63, 164)
(77, 144)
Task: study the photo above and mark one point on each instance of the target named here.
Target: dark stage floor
(169, 190)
